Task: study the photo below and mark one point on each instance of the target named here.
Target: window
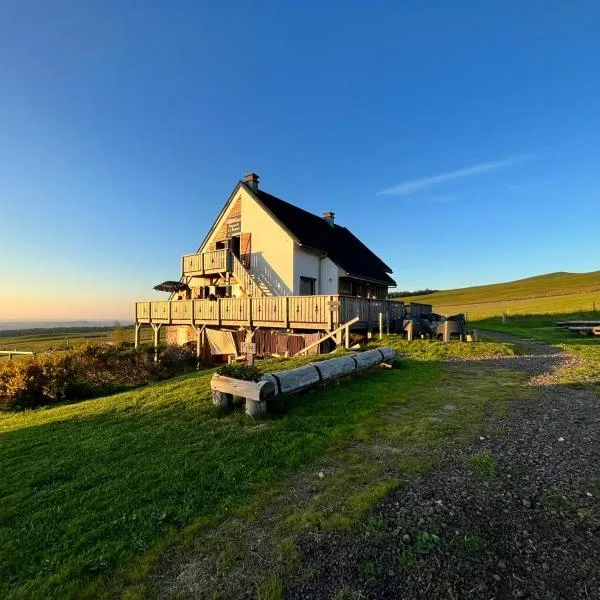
(307, 286)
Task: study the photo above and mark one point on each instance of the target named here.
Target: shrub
(240, 371)
(174, 357)
(84, 372)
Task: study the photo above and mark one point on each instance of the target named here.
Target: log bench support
(256, 393)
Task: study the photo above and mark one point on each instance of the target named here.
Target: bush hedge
(85, 372)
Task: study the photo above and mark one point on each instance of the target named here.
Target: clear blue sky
(459, 140)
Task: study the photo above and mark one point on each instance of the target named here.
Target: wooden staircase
(248, 284)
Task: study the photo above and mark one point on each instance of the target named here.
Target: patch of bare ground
(515, 514)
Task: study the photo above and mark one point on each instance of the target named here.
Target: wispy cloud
(410, 187)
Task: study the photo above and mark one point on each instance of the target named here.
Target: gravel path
(522, 521)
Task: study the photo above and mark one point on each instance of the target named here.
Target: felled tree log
(296, 380)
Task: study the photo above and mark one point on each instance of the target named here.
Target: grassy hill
(551, 293)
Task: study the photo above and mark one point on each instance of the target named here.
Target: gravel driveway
(515, 515)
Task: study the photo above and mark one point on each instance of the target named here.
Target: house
(267, 263)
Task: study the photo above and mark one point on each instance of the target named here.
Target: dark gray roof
(337, 242)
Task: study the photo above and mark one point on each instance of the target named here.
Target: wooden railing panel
(205, 310)
(160, 310)
(308, 309)
(354, 307)
(142, 310)
(181, 310)
(193, 263)
(268, 309)
(234, 310)
(206, 262)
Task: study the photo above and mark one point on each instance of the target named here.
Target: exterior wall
(329, 277)
(306, 264)
(272, 248)
(324, 270)
(180, 335)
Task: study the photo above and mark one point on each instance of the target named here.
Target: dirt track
(521, 522)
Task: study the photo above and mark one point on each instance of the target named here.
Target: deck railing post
(286, 312)
(218, 311)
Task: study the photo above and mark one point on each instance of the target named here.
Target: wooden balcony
(288, 312)
(207, 263)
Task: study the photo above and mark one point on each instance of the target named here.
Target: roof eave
(372, 279)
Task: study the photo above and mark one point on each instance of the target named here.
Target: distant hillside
(551, 293)
(14, 325)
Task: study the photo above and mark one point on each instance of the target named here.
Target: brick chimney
(329, 217)
(252, 181)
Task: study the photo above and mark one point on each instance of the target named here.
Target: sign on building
(234, 228)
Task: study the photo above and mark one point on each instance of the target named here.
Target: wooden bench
(258, 393)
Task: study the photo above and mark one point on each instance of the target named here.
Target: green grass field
(93, 493)
(552, 293)
(41, 342)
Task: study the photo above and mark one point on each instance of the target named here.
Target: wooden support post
(255, 409)
(286, 312)
(218, 311)
(222, 400)
(156, 327)
(347, 336)
(250, 312)
(199, 343)
(136, 339)
(380, 325)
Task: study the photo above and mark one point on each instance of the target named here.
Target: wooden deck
(287, 312)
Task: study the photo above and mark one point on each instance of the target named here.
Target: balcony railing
(206, 263)
(295, 312)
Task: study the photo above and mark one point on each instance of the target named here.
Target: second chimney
(252, 181)
(329, 217)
